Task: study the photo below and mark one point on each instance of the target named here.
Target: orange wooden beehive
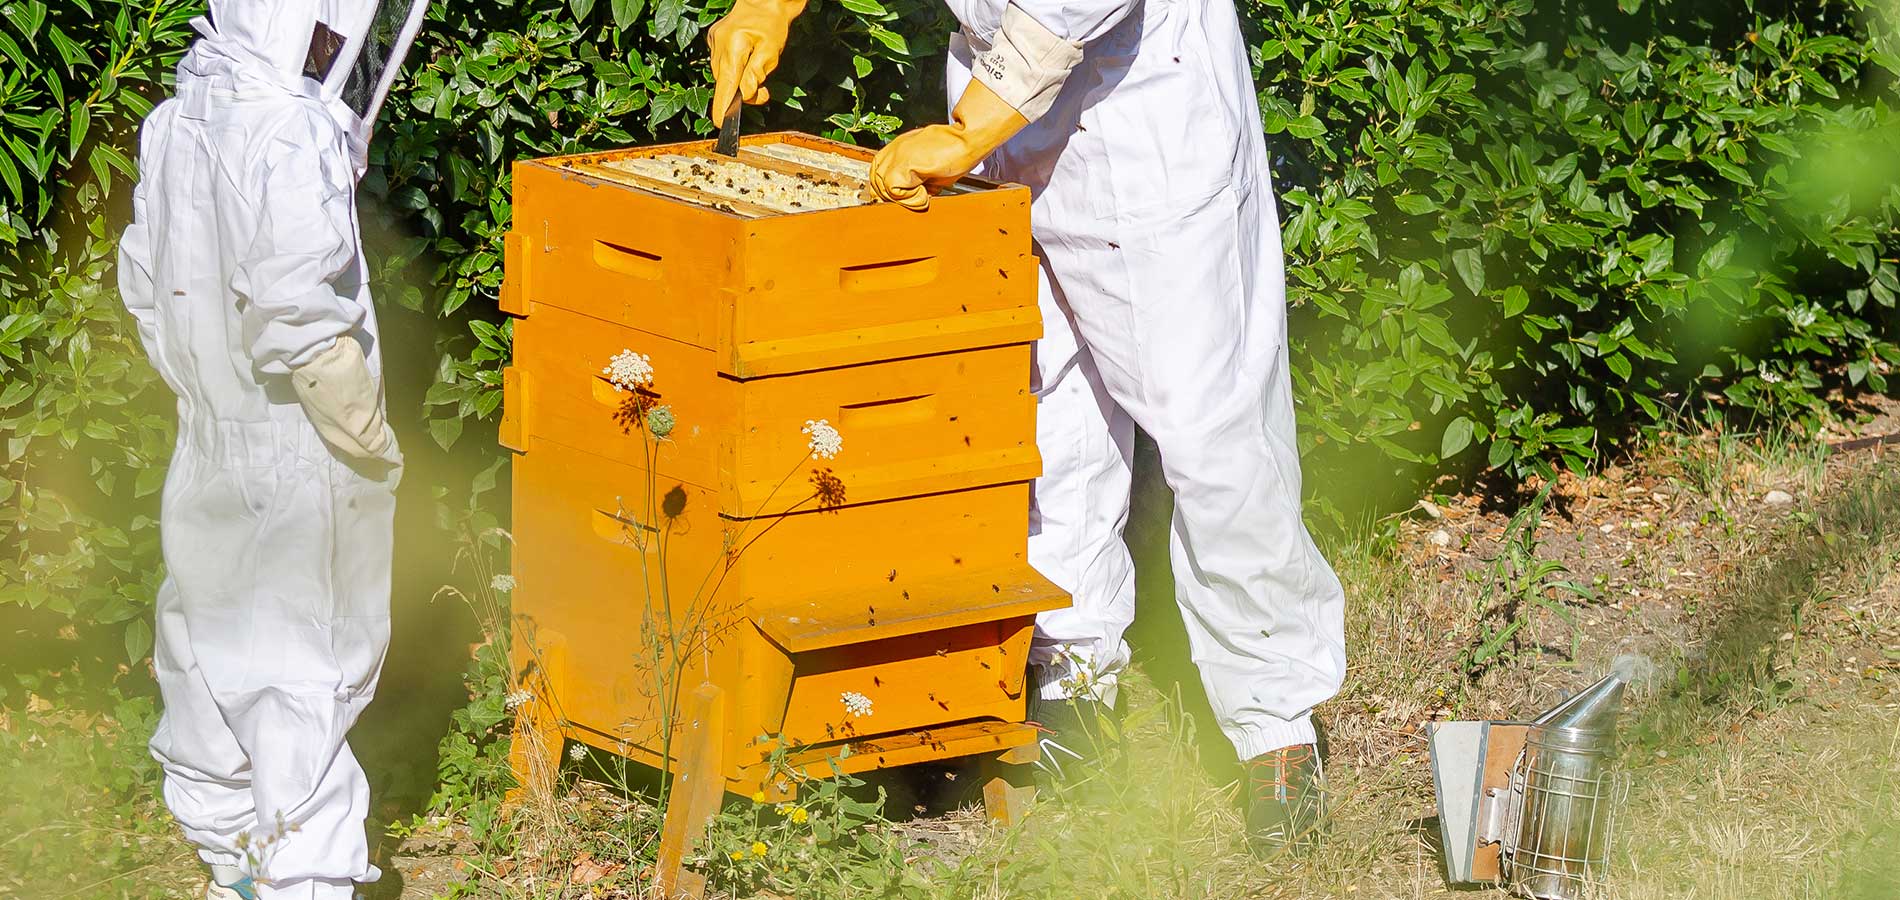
(895, 570)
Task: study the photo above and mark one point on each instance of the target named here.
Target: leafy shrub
(86, 431)
(1531, 225)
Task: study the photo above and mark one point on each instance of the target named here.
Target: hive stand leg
(697, 790)
(1010, 792)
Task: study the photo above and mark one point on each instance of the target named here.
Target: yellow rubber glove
(746, 44)
(915, 165)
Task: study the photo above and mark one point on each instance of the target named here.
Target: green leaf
(626, 12)
(138, 639)
(1501, 451)
(1456, 438)
(15, 392)
(1718, 255)
(11, 175)
(1619, 364)
(78, 122)
(1515, 300)
(1470, 265)
(150, 478)
(890, 39)
(445, 431)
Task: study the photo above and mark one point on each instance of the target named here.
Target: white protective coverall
(1163, 299)
(243, 265)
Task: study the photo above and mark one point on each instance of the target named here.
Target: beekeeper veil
(356, 49)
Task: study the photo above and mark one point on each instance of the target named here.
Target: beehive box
(766, 294)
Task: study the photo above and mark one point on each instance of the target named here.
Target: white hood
(265, 46)
(256, 42)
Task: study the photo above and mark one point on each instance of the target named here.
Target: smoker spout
(1592, 710)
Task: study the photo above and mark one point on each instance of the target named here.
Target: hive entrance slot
(626, 260)
(885, 413)
(892, 275)
(637, 401)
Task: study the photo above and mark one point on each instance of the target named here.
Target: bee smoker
(1531, 804)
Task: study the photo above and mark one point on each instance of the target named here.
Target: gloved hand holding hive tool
(244, 270)
(1135, 125)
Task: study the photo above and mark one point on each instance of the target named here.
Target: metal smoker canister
(1563, 829)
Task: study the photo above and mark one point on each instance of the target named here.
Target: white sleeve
(1038, 43)
(291, 278)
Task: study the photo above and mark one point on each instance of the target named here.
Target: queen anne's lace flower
(517, 699)
(825, 440)
(502, 584)
(577, 753)
(629, 370)
(856, 704)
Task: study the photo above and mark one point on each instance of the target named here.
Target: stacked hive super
(866, 610)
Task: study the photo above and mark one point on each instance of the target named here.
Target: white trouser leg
(1185, 322)
(272, 628)
(1081, 505)
(1263, 611)
(207, 782)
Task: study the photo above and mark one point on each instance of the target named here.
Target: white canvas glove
(345, 404)
(1027, 63)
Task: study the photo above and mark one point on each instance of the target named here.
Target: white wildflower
(825, 440)
(518, 699)
(629, 370)
(577, 752)
(1767, 377)
(502, 584)
(856, 704)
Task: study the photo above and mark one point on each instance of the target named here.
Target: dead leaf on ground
(587, 870)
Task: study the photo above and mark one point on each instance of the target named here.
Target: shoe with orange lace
(1286, 799)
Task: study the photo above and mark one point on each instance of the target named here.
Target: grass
(79, 813)
(1174, 831)
(1764, 758)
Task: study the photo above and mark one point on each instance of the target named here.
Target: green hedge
(1529, 226)
(1516, 231)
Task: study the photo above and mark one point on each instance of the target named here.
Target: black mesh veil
(380, 46)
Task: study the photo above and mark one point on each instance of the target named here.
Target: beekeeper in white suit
(1135, 125)
(244, 270)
